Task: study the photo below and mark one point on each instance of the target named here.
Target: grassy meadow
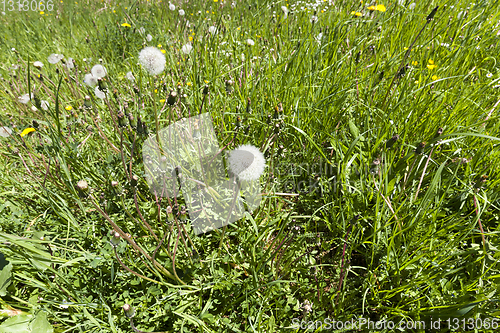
(380, 197)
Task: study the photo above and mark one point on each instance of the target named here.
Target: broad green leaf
(17, 324)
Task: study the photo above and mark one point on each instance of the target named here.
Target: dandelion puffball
(182, 12)
(54, 58)
(5, 131)
(212, 30)
(171, 6)
(250, 42)
(130, 76)
(69, 63)
(99, 93)
(38, 64)
(152, 59)
(90, 80)
(285, 10)
(45, 105)
(149, 38)
(186, 49)
(25, 98)
(98, 71)
(247, 162)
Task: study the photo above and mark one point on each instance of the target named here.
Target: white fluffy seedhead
(247, 162)
(152, 60)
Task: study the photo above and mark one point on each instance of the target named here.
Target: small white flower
(99, 71)
(489, 75)
(246, 162)
(314, 19)
(38, 64)
(171, 6)
(25, 98)
(187, 48)
(13, 49)
(90, 80)
(54, 58)
(130, 76)
(412, 6)
(182, 12)
(45, 105)
(99, 94)
(5, 131)
(212, 30)
(149, 38)
(250, 42)
(34, 108)
(152, 60)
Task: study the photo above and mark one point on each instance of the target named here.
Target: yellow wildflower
(163, 51)
(380, 8)
(27, 130)
(435, 77)
(414, 63)
(126, 25)
(431, 62)
(356, 14)
(431, 67)
(69, 108)
(162, 101)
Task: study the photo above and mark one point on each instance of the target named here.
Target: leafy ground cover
(380, 195)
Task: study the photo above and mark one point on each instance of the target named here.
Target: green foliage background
(356, 221)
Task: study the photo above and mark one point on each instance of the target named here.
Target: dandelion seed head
(212, 30)
(130, 77)
(182, 12)
(247, 162)
(54, 58)
(98, 71)
(69, 63)
(25, 98)
(152, 59)
(99, 93)
(5, 131)
(38, 64)
(90, 80)
(187, 48)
